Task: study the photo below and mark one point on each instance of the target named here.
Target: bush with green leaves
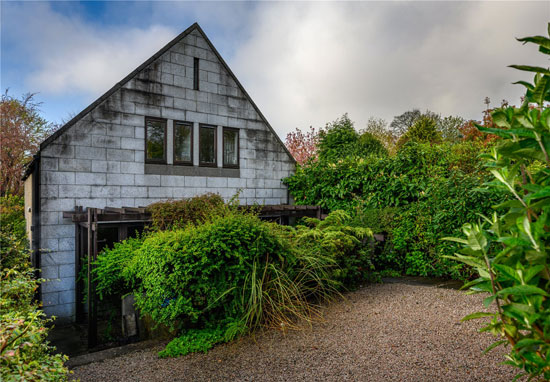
(415, 198)
(12, 216)
(349, 247)
(24, 352)
(178, 213)
(509, 250)
(109, 268)
(234, 272)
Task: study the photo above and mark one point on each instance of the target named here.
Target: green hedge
(418, 196)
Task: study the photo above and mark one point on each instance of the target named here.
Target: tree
(302, 146)
(378, 127)
(338, 139)
(450, 128)
(470, 132)
(368, 144)
(404, 122)
(424, 130)
(21, 131)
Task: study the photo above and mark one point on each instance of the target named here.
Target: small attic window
(196, 73)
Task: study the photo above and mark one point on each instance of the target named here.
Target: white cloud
(74, 56)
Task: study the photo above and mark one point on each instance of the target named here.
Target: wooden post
(122, 232)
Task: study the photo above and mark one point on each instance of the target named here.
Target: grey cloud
(307, 64)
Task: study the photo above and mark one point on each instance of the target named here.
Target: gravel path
(387, 332)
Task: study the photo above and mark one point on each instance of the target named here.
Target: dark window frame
(196, 73)
(165, 121)
(238, 147)
(179, 162)
(215, 128)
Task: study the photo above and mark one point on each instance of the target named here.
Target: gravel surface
(387, 332)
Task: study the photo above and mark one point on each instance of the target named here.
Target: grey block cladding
(99, 160)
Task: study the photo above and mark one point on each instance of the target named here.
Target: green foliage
(347, 246)
(510, 249)
(24, 352)
(193, 341)
(424, 130)
(192, 275)
(368, 144)
(379, 220)
(234, 273)
(415, 197)
(12, 216)
(13, 252)
(449, 127)
(179, 213)
(340, 139)
(109, 268)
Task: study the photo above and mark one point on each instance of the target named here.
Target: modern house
(179, 125)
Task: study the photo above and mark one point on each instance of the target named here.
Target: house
(179, 125)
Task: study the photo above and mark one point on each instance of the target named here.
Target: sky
(303, 63)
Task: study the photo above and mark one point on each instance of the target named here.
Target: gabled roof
(119, 85)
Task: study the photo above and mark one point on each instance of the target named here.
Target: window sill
(178, 170)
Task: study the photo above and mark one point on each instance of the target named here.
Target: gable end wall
(99, 160)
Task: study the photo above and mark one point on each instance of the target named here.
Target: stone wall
(99, 161)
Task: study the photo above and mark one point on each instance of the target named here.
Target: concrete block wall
(99, 161)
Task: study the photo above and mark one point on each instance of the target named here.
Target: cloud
(71, 55)
(308, 63)
(303, 63)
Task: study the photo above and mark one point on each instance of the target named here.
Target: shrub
(12, 216)
(13, 252)
(207, 273)
(24, 352)
(109, 268)
(510, 250)
(233, 273)
(178, 213)
(415, 197)
(347, 246)
(194, 341)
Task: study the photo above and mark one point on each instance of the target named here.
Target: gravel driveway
(385, 332)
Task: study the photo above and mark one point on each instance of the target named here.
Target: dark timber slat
(114, 215)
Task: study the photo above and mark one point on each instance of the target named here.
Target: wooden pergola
(89, 221)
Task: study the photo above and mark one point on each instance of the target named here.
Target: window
(207, 145)
(230, 147)
(183, 143)
(155, 140)
(196, 73)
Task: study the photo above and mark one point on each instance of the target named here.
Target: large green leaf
(542, 88)
(539, 40)
(527, 68)
(522, 290)
(477, 315)
(509, 272)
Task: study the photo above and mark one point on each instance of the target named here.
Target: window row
(182, 144)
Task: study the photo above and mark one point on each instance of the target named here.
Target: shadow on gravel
(436, 282)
